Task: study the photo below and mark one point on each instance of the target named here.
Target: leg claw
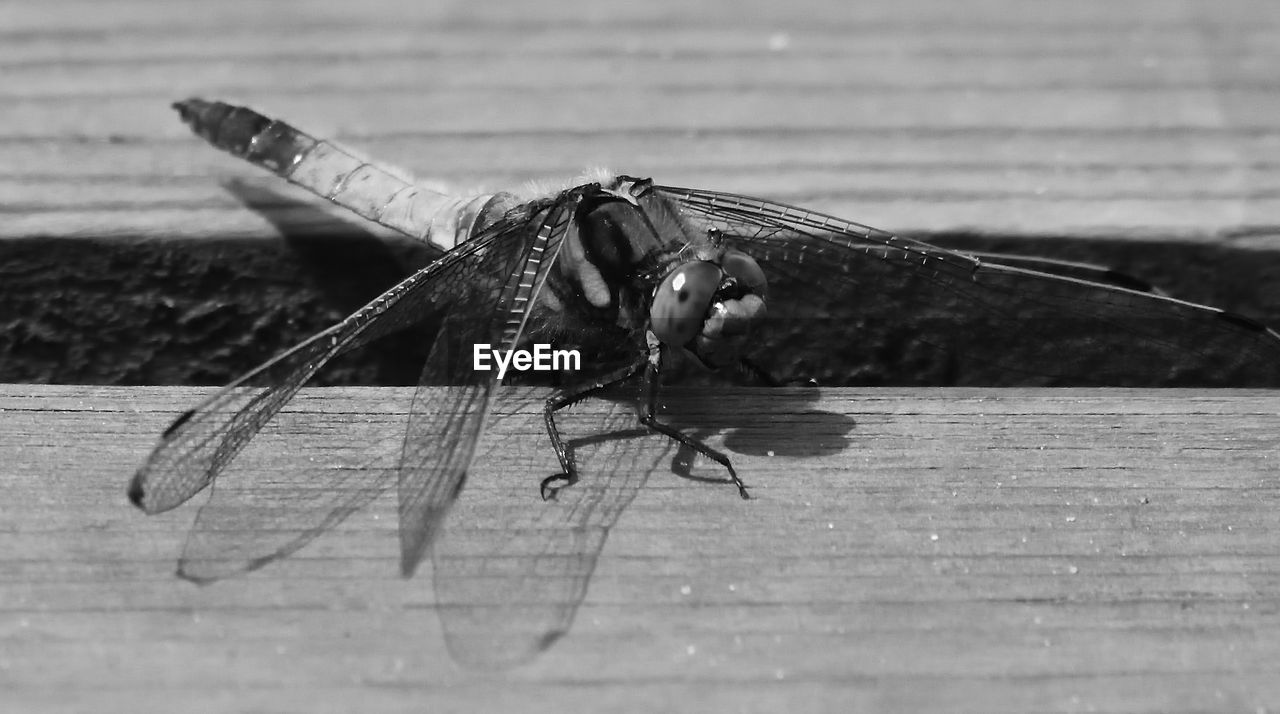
(549, 489)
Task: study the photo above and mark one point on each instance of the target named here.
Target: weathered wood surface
(906, 550)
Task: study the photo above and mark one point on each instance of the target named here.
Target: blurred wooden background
(1047, 118)
(946, 550)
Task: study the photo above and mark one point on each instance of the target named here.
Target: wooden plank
(1152, 119)
(925, 550)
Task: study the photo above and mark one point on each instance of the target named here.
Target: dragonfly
(658, 275)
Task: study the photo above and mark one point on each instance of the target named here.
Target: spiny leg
(565, 398)
(653, 369)
(652, 372)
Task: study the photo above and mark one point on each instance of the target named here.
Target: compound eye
(682, 301)
(746, 270)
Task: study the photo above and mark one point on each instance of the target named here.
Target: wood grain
(926, 550)
(1153, 119)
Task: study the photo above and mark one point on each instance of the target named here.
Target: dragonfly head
(708, 307)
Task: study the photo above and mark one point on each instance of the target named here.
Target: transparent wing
(930, 315)
(276, 518)
(518, 610)
(441, 437)
(1090, 272)
(510, 575)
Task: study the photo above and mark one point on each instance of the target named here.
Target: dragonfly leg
(651, 373)
(568, 397)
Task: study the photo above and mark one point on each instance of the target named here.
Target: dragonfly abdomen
(371, 190)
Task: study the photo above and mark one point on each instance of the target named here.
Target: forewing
(259, 516)
(508, 583)
(924, 310)
(444, 424)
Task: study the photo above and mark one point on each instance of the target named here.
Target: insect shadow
(786, 423)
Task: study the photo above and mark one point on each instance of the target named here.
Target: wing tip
(137, 494)
(407, 569)
(1130, 282)
(177, 423)
(1239, 320)
(411, 558)
(186, 574)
